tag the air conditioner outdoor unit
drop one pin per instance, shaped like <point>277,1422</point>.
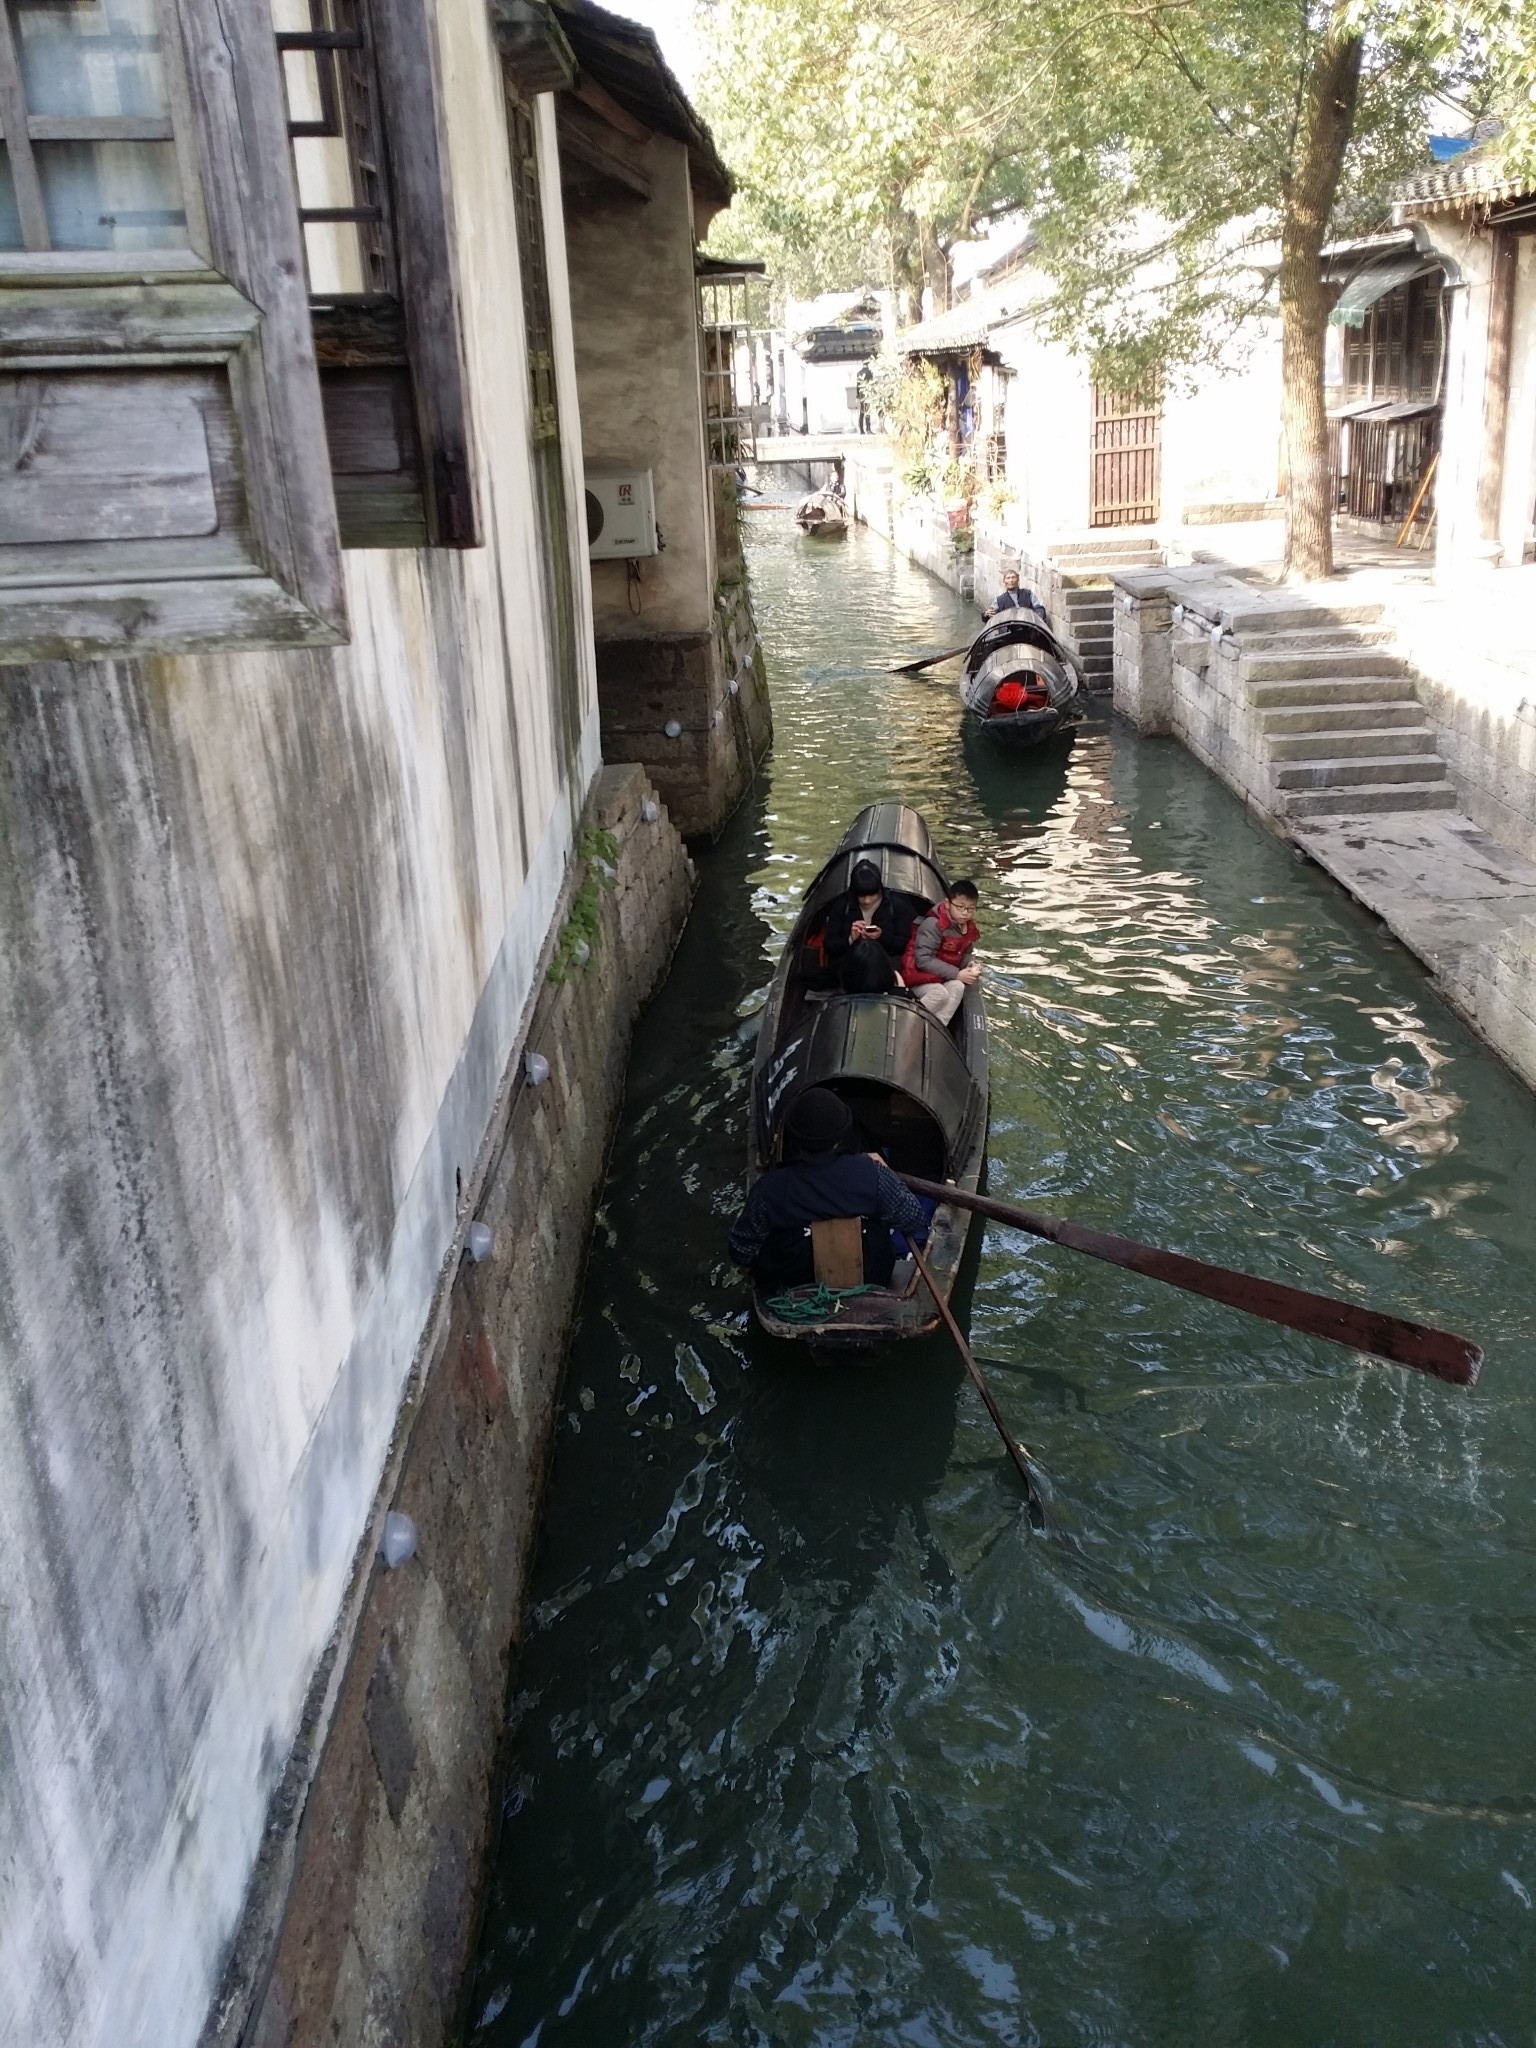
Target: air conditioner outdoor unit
<point>621,515</point>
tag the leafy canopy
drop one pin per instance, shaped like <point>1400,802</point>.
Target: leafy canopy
<point>1154,144</point>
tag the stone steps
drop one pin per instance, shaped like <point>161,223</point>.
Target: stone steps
<point>1368,742</point>
<point>1341,771</point>
<point>1351,799</point>
<point>1302,618</point>
<point>1303,640</point>
<point>1288,692</point>
<point>1333,715</point>
<point>1321,663</point>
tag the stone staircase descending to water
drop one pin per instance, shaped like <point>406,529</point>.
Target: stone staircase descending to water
<point>1337,713</point>
<point>1080,595</point>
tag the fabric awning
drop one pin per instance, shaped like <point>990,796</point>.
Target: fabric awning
<point>1367,286</point>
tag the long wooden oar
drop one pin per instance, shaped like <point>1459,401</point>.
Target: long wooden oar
<point>915,668</point>
<point>1011,1444</point>
<point>1439,1352</point>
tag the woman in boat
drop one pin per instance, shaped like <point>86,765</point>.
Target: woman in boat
<point>823,1176</point>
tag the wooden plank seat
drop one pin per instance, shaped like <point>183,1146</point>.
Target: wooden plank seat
<point>837,1252</point>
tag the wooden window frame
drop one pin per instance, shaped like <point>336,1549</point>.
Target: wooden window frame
<point>391,363</point>
<point>231,309</point>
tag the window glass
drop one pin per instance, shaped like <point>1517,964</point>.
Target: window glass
<point>111,195</point>
<point>96,168</point>
<point>91,57</point>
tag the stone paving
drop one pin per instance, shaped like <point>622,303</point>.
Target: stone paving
<point>1464,903</point>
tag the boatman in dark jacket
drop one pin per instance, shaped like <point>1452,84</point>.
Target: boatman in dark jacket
<point>822,1177</point>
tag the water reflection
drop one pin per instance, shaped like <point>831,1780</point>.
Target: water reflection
<point>815,1742</point>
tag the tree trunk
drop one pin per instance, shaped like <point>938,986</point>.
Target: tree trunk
<point>1327,119</point>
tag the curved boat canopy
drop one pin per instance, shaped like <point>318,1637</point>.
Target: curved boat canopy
<point>896,838</point>
<point>1010,629</point>
<point>910,1065</point>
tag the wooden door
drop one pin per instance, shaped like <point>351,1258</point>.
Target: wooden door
<point>1127,457</point>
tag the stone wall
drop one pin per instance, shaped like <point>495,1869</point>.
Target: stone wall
<point>269,923</point>
<point>1179,669</point>
<point>361,1922</point>
<point>1495,986</point>
<point>713,687</point>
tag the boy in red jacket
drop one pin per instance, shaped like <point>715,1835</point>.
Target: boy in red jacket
<point>938,967</point>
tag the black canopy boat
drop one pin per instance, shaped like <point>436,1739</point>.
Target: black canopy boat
<point>1020,684</point>
<point>917,1088</point>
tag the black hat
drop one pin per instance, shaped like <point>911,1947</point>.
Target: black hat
<point>866,879</point>
<point>818,1121</point>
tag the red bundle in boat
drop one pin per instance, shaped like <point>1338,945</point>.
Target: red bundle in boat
<point>1014,695</point>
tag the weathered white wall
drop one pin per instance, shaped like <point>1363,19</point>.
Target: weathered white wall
<point>1458,538</point>
<point>1517,507</point>
<point>269,926</point>
<point>637,356</point>
<point>1221,437</point>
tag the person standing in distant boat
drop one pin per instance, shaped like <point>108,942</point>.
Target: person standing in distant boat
<point>1014,598</point>
<point>938,967</point>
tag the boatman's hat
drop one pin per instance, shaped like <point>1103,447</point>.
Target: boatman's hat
<point>818,1121</point>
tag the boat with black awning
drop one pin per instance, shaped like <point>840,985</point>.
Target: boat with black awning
<point>1020,685</point>
<point>917,1088</point>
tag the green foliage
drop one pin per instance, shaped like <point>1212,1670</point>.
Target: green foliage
<point>1155,144</point>
<point>583,928</point>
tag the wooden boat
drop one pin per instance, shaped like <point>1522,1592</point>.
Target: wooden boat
<point>823,515</point>
<point>1020,685</point>
<point>917,1088</point>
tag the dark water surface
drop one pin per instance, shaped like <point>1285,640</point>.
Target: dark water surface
<point>816,1742</point>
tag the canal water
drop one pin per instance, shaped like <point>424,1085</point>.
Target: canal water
<point>815,1740</point>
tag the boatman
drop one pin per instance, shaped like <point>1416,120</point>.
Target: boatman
<point>823,1176</point>
<point>1011,598</point>
<point>938,967</point>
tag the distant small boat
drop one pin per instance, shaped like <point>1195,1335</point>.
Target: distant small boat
<point>823,515</point>
<point>1020,684</point>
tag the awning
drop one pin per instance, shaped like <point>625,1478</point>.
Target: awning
<point>1367,286</point>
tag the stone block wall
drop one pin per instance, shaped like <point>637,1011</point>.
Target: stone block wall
<point>1487,735</point>
<point>1179,669</point>
<point>1495,985</point>
<point>714,687</point>
<point>362,1917</point>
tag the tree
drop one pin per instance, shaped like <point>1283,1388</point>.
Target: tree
<point>1192,159</point>
<point>854,131</point>
<point>1182,162</point>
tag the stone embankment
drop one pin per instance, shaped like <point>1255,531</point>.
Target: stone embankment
<point>1307,708</point>
<point>362,1915</point>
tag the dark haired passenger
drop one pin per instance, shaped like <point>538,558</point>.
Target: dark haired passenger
<point>938,967</point>
<point>868,970</point>
<point>866,911</point>
<point>823,1176</point>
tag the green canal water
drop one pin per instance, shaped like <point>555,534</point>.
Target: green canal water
<point>815,1741</point>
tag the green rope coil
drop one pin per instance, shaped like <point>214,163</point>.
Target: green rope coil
<point>814,1304</point>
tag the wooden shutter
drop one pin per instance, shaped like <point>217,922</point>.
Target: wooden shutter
<point>1127,457</point>
<point>163,473</point>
